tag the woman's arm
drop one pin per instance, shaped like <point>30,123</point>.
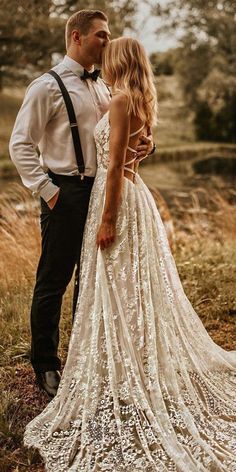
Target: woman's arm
<point>119,138</point>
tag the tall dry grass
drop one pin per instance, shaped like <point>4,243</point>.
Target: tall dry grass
<point>20,399</point>
<point>205,253</point>
<point>19,236</point>
<point>20,249</point>
<point>206,213</point>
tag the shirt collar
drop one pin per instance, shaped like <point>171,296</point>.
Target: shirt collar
<point>74,66</point>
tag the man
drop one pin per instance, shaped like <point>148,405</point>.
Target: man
<point>43,122</point>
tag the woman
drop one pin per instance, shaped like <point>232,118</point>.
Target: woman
<point>144,387</point>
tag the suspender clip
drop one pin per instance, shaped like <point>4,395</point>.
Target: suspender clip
<point>81,172</point>
<point>72,125</point>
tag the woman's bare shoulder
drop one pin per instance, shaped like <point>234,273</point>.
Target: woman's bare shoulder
<point>118,101</point>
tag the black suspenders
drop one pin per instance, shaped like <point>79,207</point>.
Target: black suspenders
<point>73,123</point>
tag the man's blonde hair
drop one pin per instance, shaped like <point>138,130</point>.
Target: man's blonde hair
<point>125,66</point>
<point>81,21</point>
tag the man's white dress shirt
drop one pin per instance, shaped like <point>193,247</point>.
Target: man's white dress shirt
<point>42,123</point>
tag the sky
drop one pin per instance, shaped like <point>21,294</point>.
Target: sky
<point>148,25</point>
<point>151,40</point>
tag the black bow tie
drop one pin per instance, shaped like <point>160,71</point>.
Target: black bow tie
<point>90,75</point>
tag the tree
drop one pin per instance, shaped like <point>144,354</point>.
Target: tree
<point>207,61</point>
<point>163,63</point>
<point>119,12</point>
<point>27,38</point>
<point>32,31</point>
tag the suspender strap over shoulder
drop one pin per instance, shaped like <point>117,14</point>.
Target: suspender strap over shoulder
<point>73,122</point>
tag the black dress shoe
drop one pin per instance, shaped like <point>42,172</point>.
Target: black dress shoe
<point>49,381</point>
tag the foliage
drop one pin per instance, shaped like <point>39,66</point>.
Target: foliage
<point>28,38</point>
<point>206,62</point>
<point>163,63</point>
<point>32,32</point>
<point>119,12</point>
<point>216,107</point>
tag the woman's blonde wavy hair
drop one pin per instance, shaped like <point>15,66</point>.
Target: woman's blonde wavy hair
<point>125,66</point>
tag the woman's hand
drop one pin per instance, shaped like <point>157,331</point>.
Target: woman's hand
<point>106,234</point>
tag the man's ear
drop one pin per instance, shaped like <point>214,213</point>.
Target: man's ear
<point>76,36</point>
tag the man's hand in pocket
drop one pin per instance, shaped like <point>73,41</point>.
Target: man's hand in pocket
<point>52,202</point>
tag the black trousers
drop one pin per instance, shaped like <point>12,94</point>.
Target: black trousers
<point>62,233</point>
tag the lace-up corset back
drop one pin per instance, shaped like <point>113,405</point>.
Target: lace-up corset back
<point>102,135</point>
<point>130,161</point>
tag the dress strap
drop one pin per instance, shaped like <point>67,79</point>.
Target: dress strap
<point>131,149</point>
<point>127,168</point>
<point>130,170</point>
<point>131,161</point>
<point>136,132</point>
<point>133,134</point>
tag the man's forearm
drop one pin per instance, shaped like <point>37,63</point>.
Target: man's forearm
<point>26,160</point>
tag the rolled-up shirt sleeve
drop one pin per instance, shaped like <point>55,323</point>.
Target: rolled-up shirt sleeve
<point>34,114</point>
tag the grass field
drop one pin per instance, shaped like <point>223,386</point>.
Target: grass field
<point>204,216</point>
<point>10,103</point>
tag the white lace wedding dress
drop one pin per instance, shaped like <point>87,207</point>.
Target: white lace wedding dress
<point>144,388</point>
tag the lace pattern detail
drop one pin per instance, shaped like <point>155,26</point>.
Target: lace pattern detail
<point>144,388</point>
